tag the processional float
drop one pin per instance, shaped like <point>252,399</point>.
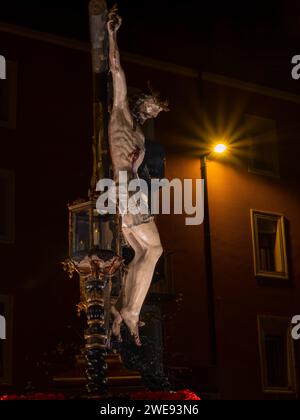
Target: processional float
<point>95,240</point>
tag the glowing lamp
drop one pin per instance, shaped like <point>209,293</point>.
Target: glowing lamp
<point>220,148</point>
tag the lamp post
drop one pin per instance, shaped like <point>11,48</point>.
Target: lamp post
<point>219,148</point>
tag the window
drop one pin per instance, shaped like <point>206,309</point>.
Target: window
<point>263,153</point>
<point>269,245</point>
<point>8,96</point>
<point>6,207</point>
<point>276,354</point>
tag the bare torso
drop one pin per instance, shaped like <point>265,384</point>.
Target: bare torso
<point>127,143</point>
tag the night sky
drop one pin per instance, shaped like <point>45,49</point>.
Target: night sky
<point>227,37</point>
<point>161,18</point>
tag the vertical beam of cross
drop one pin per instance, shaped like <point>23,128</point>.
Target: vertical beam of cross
<point>99,44</point>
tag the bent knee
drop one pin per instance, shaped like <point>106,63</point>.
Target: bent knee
<point>154,251</point>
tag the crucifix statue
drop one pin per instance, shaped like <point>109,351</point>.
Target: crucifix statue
<point>127,151</point>
<point>96,238</point>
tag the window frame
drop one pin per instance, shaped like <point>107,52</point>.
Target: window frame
<point>292,386</point>
<point>258,272</point>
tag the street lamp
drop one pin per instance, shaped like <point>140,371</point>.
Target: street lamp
<point>218,148</point>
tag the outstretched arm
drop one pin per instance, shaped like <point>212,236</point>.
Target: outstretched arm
<point>118,75</point>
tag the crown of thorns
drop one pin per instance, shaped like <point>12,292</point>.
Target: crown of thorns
<point>137,100</point>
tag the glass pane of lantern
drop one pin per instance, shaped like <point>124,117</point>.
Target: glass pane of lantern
<point>81,238</point>
<point>103,231</point>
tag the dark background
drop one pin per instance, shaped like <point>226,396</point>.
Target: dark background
<point>50,153</point>
<point>186,32</point>
<point>252,41</point>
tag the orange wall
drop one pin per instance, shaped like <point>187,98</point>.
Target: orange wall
<point>233,191</point>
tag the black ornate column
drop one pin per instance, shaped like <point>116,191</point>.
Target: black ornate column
<point>95,268</point>
<point>96,335</point>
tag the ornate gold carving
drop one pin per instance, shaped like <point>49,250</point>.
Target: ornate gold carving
<point>81,307</point>
<point>69,267</point>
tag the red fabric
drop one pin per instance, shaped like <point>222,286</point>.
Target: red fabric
<point>37,396</point>
<point>178,395</point>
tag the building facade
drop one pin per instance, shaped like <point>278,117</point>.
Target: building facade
<point>253,203</point>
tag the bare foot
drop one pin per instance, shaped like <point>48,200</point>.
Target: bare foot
<point>132,323</point>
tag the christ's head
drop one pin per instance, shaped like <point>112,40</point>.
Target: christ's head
<point>145,106</point>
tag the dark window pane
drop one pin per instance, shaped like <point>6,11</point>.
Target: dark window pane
<point>267,231</point>
<point>82,232</point>
<point>276,361</point>
<point>263,154</point>
<point>262,159</point>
